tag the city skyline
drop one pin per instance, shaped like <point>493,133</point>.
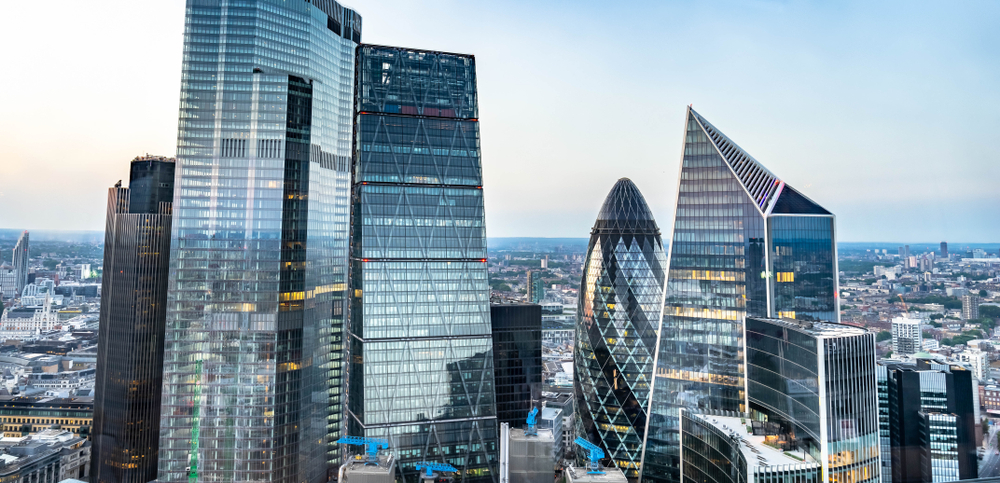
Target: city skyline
<point>898,159</point>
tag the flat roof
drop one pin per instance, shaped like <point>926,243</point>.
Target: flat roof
<point>580,475</point>
<point>816,328</point>
<point>754,450</point>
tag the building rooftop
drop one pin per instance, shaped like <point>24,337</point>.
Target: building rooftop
<point>355,466</point>
<point>822,330</point>
<point>754,450</point>
<point>580,475</point>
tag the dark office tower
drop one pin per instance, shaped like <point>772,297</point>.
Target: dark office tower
<point>536,287</point>
<point>421,361</point>
<point>253,383</point>
<point>517,360</point>
<point>931,422</point>
<point>744,244</point>
<point>21,256</point>
<point>621,299</point>
<point>944,249</point>
<point>817,382</point>
<point>129,375</point>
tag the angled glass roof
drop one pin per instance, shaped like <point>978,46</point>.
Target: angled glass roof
<point>791,201</point>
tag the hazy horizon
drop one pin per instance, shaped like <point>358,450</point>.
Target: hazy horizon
<point>882,113</point>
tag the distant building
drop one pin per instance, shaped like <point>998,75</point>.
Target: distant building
<point>20,261</point>
<point>23,415</point>
<point>991,399</point>
<point>536,287</point>
<point>907,337</point>
<point>970,307</point>
<point>944,249</point>
<point>929,414</point>
<point>720,449</point>
<point>552,419</point>
<point>8,282</point>
<point>129,383</point>
<point>517,360</point>
<point>817,381</point>
<point>977,360</point>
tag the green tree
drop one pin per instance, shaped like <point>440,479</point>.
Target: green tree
<point>983,293</point>
<point>50,264</point>
<point>991,311</point>
<point>883,335</point>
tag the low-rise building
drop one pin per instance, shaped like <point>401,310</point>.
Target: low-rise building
<point>21,416</point>
<point>48,457</point>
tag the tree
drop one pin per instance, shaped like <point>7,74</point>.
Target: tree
<point>983,293</point>
<point>50,264</point>
<point>937,316</point>
<point>883,335</point>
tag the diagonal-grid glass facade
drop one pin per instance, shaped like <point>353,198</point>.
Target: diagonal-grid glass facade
<point>253,386</point>
<point>421,362</point>
<point>621,299</point>
<point>744,244</point>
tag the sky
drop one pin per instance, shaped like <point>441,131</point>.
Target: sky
<point>885,113</point>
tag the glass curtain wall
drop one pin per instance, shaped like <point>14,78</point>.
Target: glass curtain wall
<point>421,360</point>
<point>621,299</point>
<point>252,378</point>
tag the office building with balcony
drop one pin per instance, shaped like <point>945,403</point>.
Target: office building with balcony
<point>744,243</point>
<point>817,381</point>
<point>620,302</point>
<point>253,384</point>
<point>421,343</point>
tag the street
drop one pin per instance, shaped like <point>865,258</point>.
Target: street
<point>990,463</point>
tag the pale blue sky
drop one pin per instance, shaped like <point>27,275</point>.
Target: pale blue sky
<point>887,113</point>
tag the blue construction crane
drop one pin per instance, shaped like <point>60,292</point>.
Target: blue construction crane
<point>371,446</point>
<point>430,468</point>
<point>596,454</point>
<point>532,421</point>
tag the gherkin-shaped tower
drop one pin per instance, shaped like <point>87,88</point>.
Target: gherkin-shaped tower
<point>621,298</point>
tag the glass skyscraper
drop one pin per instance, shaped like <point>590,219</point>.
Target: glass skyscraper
<point>817,380</point>
<point>744,244</point>
<point>517,360</point>
<point>253,384</point>
<point>421,362</point>
<point>129,375</point>
<point>21,255</point>
<point>621,299</point>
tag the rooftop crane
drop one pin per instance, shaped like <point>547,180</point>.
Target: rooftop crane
<point>596,454</point>
<point>371,446</point>
<point>905,310</point>
<point>532,423</point>
<point>430,468</point>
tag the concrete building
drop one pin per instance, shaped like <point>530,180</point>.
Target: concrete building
<point>970,307</point>
<point>907,338</point>
<point>21,416</point>
<point>358,470</point>
<point>977,360</point>
<point>47,457</point>
<point>526,458</point>
<point>574,474</point>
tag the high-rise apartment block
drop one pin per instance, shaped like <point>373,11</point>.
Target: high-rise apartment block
<point>129,375</point>
<point>744,244</point>
<point>22,253</point>
<point>929,415</point>
<point>253,376</point>
<point>970,307</point>
<point>621,298</point>
<point>536,287</point>
<point>817,382</point>
<point>517,360</point>
<point>907,337</point>
<point>421,361</point>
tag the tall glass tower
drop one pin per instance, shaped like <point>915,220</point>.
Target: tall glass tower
<point>22,254</point>
<point>744,244</point>
<point>421,362</point>
<point>128,382</point>
<point>621,299</point>
<point>252,386</point>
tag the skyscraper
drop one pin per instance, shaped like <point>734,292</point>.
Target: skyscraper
<point>20,261</point>
<point>421,361</point>
<point>744,244</point>
<point>817,381</point>
<point>944,249</point>
<point>517,360</point>
<point>621,299</point>
<point>536,287</point>
<point>931,421</point>
<point>253,383</point>
<point>129,375</point>
<point>970,307</point>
